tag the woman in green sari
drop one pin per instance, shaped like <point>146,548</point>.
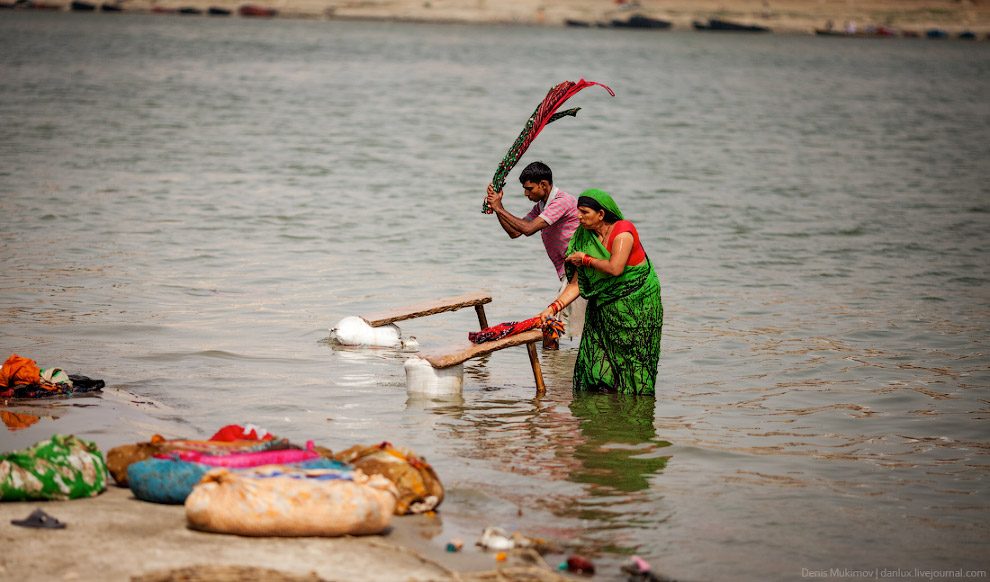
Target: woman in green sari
<point>606,264</point>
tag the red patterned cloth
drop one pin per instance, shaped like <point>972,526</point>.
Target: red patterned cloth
<point>545,113</point>
<point>552,328</point>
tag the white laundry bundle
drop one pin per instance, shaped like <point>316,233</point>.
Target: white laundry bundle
<point>423,378</point>
<point>354,331</point>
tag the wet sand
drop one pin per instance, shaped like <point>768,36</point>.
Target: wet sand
<point>115,537</point>
<point>781,16</point>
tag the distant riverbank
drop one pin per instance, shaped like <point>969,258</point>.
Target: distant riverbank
<point>779,16</point>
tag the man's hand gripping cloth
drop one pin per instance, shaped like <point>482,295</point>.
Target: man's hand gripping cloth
<point>552,328</point>
<point>545,113</point>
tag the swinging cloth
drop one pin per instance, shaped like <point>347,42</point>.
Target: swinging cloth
<point>620,344</point>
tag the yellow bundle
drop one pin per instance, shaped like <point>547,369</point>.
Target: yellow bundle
<point>418,486</point>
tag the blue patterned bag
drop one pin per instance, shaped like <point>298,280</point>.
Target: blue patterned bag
<point>171,480</point>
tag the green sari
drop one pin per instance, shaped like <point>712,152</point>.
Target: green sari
<point>620,343</point>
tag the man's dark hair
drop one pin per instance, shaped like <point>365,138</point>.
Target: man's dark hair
<point>536,173</point>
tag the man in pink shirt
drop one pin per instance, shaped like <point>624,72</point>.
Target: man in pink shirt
<point>555,217</point>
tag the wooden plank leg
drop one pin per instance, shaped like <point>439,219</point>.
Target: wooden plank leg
<point>463,351</point>
<point>482,320</point>
<point>541,388</point>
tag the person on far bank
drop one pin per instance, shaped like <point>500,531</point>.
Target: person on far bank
<point>607,265</point>
<point>555,217</point>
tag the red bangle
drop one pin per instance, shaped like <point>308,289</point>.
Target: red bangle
<point>556,306</point>
<point>586,260</point>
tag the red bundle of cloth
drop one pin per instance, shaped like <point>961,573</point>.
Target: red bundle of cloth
<point>551,327</point>
<point>236,432</point>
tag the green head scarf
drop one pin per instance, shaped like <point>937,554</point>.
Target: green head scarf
<point>603,199</point>
<point>586,241</point>
<point>595,283</point>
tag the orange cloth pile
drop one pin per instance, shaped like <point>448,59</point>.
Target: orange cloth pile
<point>17,370</point>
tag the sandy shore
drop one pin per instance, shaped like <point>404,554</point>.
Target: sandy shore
<point>116,538</point>
<point>782,16</point>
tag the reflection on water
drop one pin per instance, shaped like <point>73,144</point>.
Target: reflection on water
<point>17,420</point>
<point>619,459</point>
<point>584,470</point>
<point>618,447</point>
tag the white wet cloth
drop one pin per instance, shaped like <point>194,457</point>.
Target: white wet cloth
<point>354,331</point>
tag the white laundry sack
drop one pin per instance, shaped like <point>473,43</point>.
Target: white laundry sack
<point>423,378</point>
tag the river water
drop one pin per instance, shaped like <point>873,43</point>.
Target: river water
<point>188,204</point>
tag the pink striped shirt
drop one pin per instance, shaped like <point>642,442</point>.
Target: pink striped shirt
<point>561,216</point>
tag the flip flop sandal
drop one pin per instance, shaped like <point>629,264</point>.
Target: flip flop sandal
<point>39,519</point>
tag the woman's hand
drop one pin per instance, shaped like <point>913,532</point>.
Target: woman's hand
<point>575,258</point>
<point>571,292</point>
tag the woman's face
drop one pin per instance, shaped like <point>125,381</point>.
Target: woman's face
<point>589,218</point>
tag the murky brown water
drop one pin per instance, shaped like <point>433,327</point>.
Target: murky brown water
<point>189,204</point>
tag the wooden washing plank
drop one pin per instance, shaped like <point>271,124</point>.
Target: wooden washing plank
<point>431,307</point>
<point>446,356</point>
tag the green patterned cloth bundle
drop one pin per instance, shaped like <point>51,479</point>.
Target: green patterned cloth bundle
<point>64,467</point>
